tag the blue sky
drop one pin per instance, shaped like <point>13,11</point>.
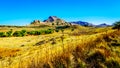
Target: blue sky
<point>22,12</point>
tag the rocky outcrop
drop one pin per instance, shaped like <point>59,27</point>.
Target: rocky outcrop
<point>54,20</point>
<point>35,22</point>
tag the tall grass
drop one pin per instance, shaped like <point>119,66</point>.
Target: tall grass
<point>78,52</point>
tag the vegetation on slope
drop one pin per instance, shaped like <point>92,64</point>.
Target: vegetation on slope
<point>99,50</point>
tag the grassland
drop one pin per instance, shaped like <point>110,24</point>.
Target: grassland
<point>85,47</point>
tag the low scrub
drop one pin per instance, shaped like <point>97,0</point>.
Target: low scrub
<point>25,33</point>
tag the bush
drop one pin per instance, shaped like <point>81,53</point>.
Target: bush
<point>9,33</point>
<point>117,25</point>
<point>62,27</point>
<point>2,34</point>
<point>23,32</point>
<point>17,34</point>
<point>49,31</point>
<point>31,32</point>
<point>57,30</point>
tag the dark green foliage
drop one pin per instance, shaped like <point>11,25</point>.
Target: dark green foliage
<point>49,31</point>
<point>34,33</point>
<point>20,33</point>
<point>9,33</point>
<point>24,33</point>
<point>57,30</point>
<point>112,64</point>
<point>117,25</point>
<point>62,27</point>
<point>17,34</point>
<point>2,34</point>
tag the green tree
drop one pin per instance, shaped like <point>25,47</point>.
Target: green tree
<point>116,25</point>
<point>2,34</point>
<point>24,32</point>
<point>17,34</point>
<point>9,33</point>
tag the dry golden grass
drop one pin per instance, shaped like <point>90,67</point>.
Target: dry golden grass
<point>81,51</point>
<point>6,52</point>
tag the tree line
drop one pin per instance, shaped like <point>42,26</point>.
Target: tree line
<point>25,33</point>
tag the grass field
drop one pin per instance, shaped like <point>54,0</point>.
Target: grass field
<point>85,47</point>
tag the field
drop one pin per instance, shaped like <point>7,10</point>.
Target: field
<point>83,47</point>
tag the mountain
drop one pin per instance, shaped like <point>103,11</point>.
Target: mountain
<point>55,20</point>
<point>102,25</point>
<point>82,23</point>
<point>51,19</point>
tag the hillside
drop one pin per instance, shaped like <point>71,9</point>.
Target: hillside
<point>56,21</point>
<point>92,47</point>
<point>52,20</point>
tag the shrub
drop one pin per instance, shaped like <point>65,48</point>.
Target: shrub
<point>9,33</point>
<point>23,32</point>
<point>2,34</point>
<point>17,34</point>
<point>31,32</point>
<point>49,31</point>
<point>62,27</point>
<point>34,32</point>
<point>57,30</point>
<point>117,25</point>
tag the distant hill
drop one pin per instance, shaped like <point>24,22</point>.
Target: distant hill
<point>103,25</point>
<point>54,20</point>
<point>82,23</point>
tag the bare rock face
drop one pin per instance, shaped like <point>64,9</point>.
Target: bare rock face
<point>51,19</point>
<point>55,20</point>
